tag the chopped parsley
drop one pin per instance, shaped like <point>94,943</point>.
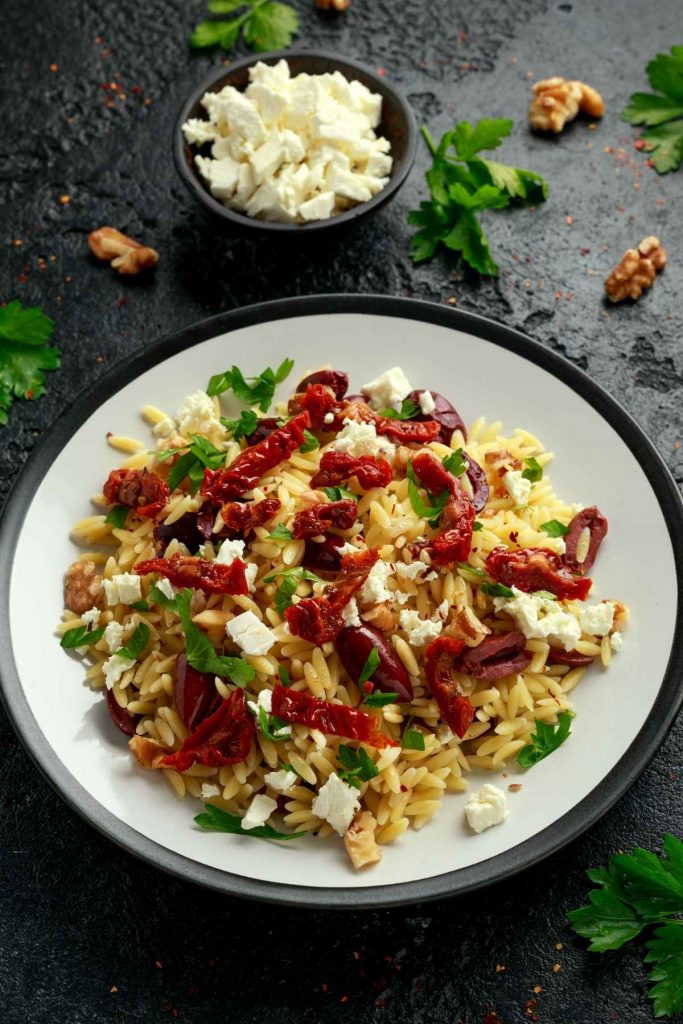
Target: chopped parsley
<point>157,595</point>
<point>496,590</point>
<point>431,513</point>
<point>200,652</point>
<point>413,739</point>
<point>24,353</point>
<point>455,463</point>
<point>272,727</point>
<point>198,456</point>
<point>339,493</point>
<point>117,516</point>
<point>406,412</point>
<point>370,667</point>
<point>477,525</point>
<point>242,427</point>
<point>532,471</point>
<point>280,533</point>
<point>310,443</point>
<point>545,740</point>
<point>357,766</point>
<point>471,570</point>
<point>213,819</point>
<point>378,699</point>
<point>81,636</point>
<point>284,675</point>
<point>250,390</point>
<point>135,644</point>
<point>554,528</point>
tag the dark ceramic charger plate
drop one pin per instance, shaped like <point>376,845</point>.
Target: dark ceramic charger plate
<point>522,856</point>
<point>398,125</point>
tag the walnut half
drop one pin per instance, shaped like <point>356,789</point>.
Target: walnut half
<point>81,587</point>
<point>557,101</point>
<point>636,271</point>
<point>360,842</point>
<point>124,253</point>
<point>333,5</point>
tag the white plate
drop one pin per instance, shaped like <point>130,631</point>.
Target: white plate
<point>603,458</point>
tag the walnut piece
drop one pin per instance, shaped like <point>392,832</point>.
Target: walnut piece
<point>81,587</point>
<point>333,5</point>
<point>636,271</point>
<point>621,614</point>
<point>125,254</point>
<point>360,842</point>
<point>465,625</point>
<point>379,616</point>
<point>147,752</point>
<point>557,101</point>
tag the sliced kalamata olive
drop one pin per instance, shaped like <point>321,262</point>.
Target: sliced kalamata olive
<point>590,519</point>
<point>206,517</point>
<point>477,477</point>
<point>336,380</point>
<point>324,556</point>
<point>556,656</point>
<point>121,718</point>
<point>443,413</point>
<point>186,530</point>
<point>264,429</point>
<point>196,695</point>
<point>496,656</point>
<point>354,644</point>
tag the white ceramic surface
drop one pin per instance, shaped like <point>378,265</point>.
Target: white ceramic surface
<point>593,466</point>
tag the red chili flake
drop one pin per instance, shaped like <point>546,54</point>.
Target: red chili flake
<point>584,252</point>
<point>343,999</point>
<point>113,989</point>
<point>22,279</point>
<point>639,144</point>
<point>29,394</point>
<point>558,295</point>
<point>324,987</point>
<point>54,67</point>
<point>673,777</point>
<point>121,302</point>
<point>136,89</point>
<point>569,219</point>
<point>404,789</point>
<point>147,101</point>
<point>515,787</point>
<point>381,71</point>
<point>620,208</point>
<point>65,200</point>
<point>368,687</point>
<point>16,242</point>
<point>514,534</point>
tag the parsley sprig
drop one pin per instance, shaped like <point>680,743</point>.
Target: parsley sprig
<point>251,390</point>
<point>635,891</point>
<point>24,353</point>
<point>81,636</point>
<point>242,427</point>
<point>462,184</point>
<point>425,510</point>
<point>406,412</point>
<point>661,111</point>
<point>357,766</point>
<point>264,25</point>
<point>200,652</point>
<point>196,457</point>
<point>545,740</point>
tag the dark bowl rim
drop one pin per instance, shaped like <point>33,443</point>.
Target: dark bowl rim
<point>525,854</point>
<point>399,172</point>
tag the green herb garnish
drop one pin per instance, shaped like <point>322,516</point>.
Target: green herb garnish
<point>135,644</point>
<point>496,590</point>
<point>310,443</point>
<point>545,740</point>
<point>264,25</point>
<point>545,594</point>
<point>477,525</point>
<point>280,532</point>
<point>339,493</point>
<point>242,427</point>
<point>201,455</point>
<point>406,412</point>
<point>637,890</point>
<point>81,636</point>
<point>455,463</point>
<point>290,581</point>
<point>118,516</point>
<point>471,570</point>
<point>377,699</point>
<point>251,390</point>
<point>200,652</point>
<point>663,114</point>
<point>213,819</point>
<point>157,595</point>
<point>24,353</point>
<point>370,667</point>
<point>140,606</point>
<point>413,739</point>
<point>357,766</point>
<point>532,471</point>
<point>271,725</point>
<point>462,184</point>
<point>432,512</point>
<point>284,675</point>
<point>554,528</point>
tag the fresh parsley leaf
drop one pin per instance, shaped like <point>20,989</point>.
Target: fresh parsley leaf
<point>477,525</point>
<point>554,528</point>
<point>545,594</point>
<point>284,594</point>
<point>280,532</point>
<point>608,922</point>
<point>370,667</point>
<point>272,727</point>
<point>406,412</point>
<point>272,26</point>
<point>251,390</point>
<point>431,513</point>
<point>532,471</point>
<point>157,595</point>
<point>180,469</point>
<point>665,951</point>
<point>379,699</point>
<point>200,456</point>
<point>357,766</point>
<point>24,353</point>
<point>471,570</point>
<point>462,184</point>
<point>310,443</point>
<point>496,590</point>
<point>242,427</point>
<point>545,740</point>
<point>454,463</point>
<point>339,493</point>
<point>663,114</point>
<point>413,739</point>
<point>140,606</point>
<point>297,572</point>
<point>213,819</point>
<point>81,636</point>
<point>200,652</point>
<point>284,675</point>
<point>136,643</point>
<point>118,516</point>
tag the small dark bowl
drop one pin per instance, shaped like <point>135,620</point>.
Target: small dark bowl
<point>397,125</point>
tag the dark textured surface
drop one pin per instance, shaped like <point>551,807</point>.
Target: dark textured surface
<point>87,933</point>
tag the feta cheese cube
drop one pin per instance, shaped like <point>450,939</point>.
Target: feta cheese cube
<point>245,186</point>
<point>280,781</point>
<point>319,207</point>
<point>419,631</point>
<point>336,803</point>
<point>379,166</point>
<point>375,590</point>
<point>275,76</point>
<point>241,117</point>
<point>91,618</point>
<point>427,403</point>
<point>350,616</point>
<point>198,415</point>
<point>270,103</point>
<point>616,640</point>
<point>293,146</point>
<point>198,132</point>
<point>209,790</point>
<point>486,807</point>
<point>114,668</point>
<point>122,589</point>
<point>517,486</point>
<point>221,175</point>
<point>410,571</point>
<point>249,633</point>
<point>166,588</point>
<point>164,428</point>
<point>597,619</point>
<point>229,551</point>
<point>388,390</point>
<point>258,812</point>
<point>113,636</point>
<point>266,160</point>
<point>362,439</point>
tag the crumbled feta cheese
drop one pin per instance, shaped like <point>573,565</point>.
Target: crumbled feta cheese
<point>427,403</point>
<point>198,132</point>
<point>486,807</point>
<point>114,668</point>
<point>616,640</point>
<point>336,803</point>
<point>319,207</point>
<point>250,574</point>
<point>229,551</point>
<point>328,417</point>
<point>249,633</point>
<point>443,610</point>
<point>197,415</point>
<point>348,549</point>
<point>280,781</point>
<point>210,789</point>
<point>540,619</point>
<point>265,700</point>
<point>164,428</point>
<point>388,390</point>
<point>597,619</point>
<point>258,812</point>
<point>361,439</point>
<point>517,486</point>
<point>350,616</point>
<point>166,588</point>
<point>410,571</point>
<point>91,617</point>
<point>419,631</point>
<point>444,734</point>
<point>375,590</point>
<point>402,597</point>
<point>113,635</point>
<point>122,589</point>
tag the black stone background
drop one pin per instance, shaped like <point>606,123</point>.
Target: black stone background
<point>87,932</point>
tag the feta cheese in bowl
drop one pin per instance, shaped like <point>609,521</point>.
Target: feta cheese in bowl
<point>294,142</point>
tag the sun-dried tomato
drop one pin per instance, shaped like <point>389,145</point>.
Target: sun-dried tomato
<point>321,404</point>
<point>241,519</point>
<point>497,656</point>
<point>194,692</point>
<point>221,485</point>
<point>319,619</point>
<point>224,737</point>
<point>590,519</point>
<point>531,569</point>
<point>405,431</point>
<point>332,719</point>
<point>453,542</point>
<point>447,417</point>
<point>318,518</point>
<point>336,380</point>
<point>198,573</point>
<point>433,475</point>
<point>338,467</point>
<point>318,402</point>
<point>144,492</point>
<point>456,709</point>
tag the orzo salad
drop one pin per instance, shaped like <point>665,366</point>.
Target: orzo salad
<point>322,619</point>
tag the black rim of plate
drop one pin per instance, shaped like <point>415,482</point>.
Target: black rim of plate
<point>519,857</point>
